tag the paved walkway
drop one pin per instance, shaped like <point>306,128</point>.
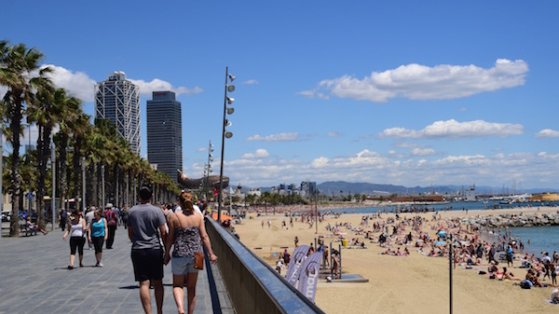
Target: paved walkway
<point>34,279</point>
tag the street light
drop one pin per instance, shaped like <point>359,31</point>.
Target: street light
<point>29,195</point>
<point>225,134</point>
<point>208,168</point>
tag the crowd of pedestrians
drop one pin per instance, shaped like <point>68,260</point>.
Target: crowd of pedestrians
<point>172,233</point>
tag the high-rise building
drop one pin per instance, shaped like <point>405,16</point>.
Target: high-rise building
<point>118,100</point>
<point>164,128</point>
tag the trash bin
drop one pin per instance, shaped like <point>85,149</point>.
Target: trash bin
<point>344,242</point>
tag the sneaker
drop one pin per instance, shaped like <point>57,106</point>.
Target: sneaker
<point>99,264</point>
<point>70,267</point>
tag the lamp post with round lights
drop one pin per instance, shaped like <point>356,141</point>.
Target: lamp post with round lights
<point>225,134</point>
<point>208,169</point>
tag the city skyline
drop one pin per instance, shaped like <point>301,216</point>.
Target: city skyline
<point>406,93</point>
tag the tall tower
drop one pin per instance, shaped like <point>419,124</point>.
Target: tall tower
<point>164,130</point>
<point>118,100</point>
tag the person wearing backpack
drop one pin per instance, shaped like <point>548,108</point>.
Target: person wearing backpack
<point>112,222</point>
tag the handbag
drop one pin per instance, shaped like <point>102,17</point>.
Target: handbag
<point>199,260</point>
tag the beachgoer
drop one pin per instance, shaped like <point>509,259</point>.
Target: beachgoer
<point>279,264</point>
<point>286,257</point>
<point>76,228</point>
<point>555,296</point>
<point>90,213</point>
<point>97,233</point>
<point>34,227</point>
<point>187,233</point>
<point>146,230</point>
<point>335,264</point>
<point>125,213</point>
<point>509,256</point>
<point>112,221</point>
<point>62,216</point>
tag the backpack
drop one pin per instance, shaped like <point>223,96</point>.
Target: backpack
<point>111,218</point>
<point>525,284</point>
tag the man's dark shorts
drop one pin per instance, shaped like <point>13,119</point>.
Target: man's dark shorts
<point>148,264</point>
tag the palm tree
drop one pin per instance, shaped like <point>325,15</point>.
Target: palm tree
<point>17,63</point>
<point>45,113</point>
<point>80,129</point>
<point>69,107</point>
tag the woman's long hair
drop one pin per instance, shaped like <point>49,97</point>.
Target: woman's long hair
<point>74,216</point>
<point>186,203</point>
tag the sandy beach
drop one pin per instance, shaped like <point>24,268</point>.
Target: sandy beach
<point>397,284</point>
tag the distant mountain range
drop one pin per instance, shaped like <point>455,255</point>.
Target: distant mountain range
<point>334,188</point>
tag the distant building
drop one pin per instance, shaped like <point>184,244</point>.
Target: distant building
<point>545,197</point>
<point>470,195</point>
<point>118,100</point>
<point>164,131</point>
<point>308,188</point>
<point>256,192</point>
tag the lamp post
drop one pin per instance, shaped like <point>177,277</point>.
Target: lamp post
<point>103,185</point>
<point>224,134</point>
<point>29,195</point>
<point>53,166</point>
<point>83,184</point>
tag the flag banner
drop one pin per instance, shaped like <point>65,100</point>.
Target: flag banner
<point>309,275</point>
<point>294,267</point>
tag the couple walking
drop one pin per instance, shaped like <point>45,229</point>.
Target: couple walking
<point>148,235</point>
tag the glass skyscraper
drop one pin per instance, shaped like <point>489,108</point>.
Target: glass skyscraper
<point>118,100</point>
<point>164,130</point>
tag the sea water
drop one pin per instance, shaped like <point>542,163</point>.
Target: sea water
<point>542,239</point>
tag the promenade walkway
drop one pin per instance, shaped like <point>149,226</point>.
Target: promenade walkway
<point>34,279</point>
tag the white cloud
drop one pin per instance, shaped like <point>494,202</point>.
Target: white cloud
<point>251,82</point>
<point>146,88</point>
<point>422,151</point>
<point>547,133</point>
<point>454,129</point>
<point>80,85</point>
<point>334,134</point>
<point>532,169</point>
<point>260,153</point>
<point>420,82</point>
<point>281,137</point>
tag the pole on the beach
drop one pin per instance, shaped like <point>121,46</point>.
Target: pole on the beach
<point>450,260</point>
<point>316,207</point>
<point>340,255</point>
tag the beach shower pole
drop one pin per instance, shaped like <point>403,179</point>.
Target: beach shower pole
<point>450,270</point>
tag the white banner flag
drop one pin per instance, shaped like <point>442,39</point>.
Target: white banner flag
<point>295,263</point>
<point>309,275</point>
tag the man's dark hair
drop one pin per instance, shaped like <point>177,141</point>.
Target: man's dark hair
<point>145,193</point>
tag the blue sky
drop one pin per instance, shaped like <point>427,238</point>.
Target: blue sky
<point>397,92</point>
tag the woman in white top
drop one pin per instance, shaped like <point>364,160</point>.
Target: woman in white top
<point>76,229</point>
